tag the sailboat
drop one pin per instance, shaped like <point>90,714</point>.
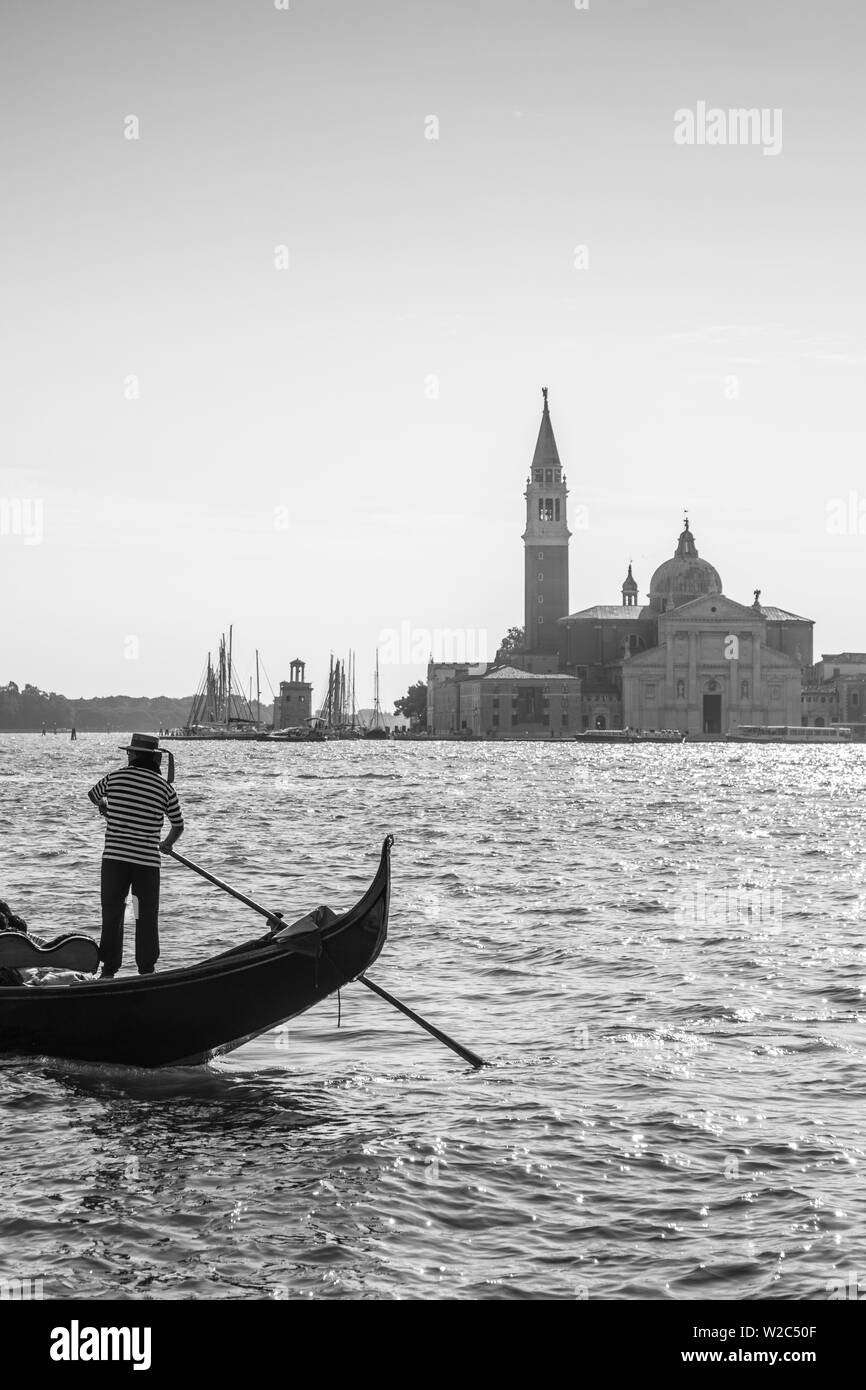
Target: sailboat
<point>377,728</point>
<point>337,716</point>
<point>220,709</point>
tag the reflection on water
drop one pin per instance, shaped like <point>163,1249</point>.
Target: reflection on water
<point>660,950</point>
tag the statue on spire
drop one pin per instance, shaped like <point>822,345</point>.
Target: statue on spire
<point>544,394</point>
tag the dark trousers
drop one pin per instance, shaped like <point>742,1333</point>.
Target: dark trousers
<point>117,879</point>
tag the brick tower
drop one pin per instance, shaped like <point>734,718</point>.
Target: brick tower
<point>293,705</point>
<point>545,542</point>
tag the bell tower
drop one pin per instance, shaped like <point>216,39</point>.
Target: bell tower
<point>545,542</point>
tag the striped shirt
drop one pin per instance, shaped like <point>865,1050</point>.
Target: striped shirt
<point>138,800</point>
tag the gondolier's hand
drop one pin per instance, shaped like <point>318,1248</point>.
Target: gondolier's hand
<point>174,834</point>
<point>103,806</point>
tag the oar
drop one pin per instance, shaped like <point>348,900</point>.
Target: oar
<point>275,918</point>
<point>457,1047</point>
<point>277,922</point>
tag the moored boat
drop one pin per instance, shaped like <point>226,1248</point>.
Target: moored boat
<point>376,728</point>
<point>186,1016</point>
<point>630,736</point>
<point>790,733</point>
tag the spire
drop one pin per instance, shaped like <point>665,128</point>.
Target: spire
<point>629,589</point>
<point>546,453</point>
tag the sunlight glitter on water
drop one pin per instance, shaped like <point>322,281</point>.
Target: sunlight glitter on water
<point>660,951</point>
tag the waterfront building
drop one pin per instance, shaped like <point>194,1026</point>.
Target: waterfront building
<point>835,692</point>
<point>294,704</point>
<point>444,679</point>
<point>508,702</point>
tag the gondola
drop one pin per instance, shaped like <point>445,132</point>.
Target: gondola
<point>187,1016</point>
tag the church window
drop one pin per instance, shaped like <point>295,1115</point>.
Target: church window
<point>548,476</point>
<point>775,693</point>
<point>681,690</point>
<point>541,554</point>
<point>548,509</point>
<point>650,693</point>
<point>855,697</point>
<point>556,505</point>
<point>744,690</point>
<point>538,475</point>
<point>540,577</point>
<point>540,621</point>
<point>541,598</point>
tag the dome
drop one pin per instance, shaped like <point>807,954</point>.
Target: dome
<point>683,578</point>
<point>629,584</point>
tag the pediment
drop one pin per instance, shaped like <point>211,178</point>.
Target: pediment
<point>712,608</point>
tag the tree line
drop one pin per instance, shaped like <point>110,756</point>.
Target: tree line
<point>29,708</point>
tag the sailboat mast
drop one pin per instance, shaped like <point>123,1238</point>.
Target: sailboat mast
<point>229,700</point>
<point>258,691</point>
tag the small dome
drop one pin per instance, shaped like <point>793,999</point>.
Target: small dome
<point>629,584</point>
<point>683,578</point>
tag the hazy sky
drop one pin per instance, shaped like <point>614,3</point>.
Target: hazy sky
<point>288,465</point>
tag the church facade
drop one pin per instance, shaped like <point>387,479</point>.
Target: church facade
<point>690,658</point>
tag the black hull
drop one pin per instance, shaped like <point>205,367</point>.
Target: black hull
<point>183,1017</point>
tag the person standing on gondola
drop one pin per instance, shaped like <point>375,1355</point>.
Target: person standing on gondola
<point>135,800</point>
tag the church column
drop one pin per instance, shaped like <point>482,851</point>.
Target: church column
<point>693,672</point>
<point>669,676</point>
<point>757,693</point>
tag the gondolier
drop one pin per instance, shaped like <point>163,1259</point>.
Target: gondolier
<point>135,800</point>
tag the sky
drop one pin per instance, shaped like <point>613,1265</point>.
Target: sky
<point>281,286</point>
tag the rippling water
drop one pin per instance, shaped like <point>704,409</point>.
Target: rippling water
<point>659,950</point>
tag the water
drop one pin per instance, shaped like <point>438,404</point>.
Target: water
<point>659,950</point>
